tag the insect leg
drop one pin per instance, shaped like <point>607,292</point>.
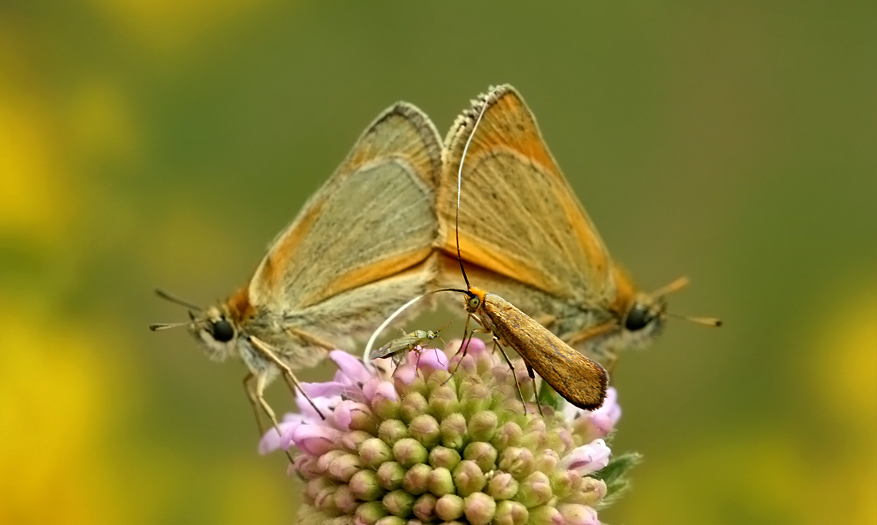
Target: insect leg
<point>254,401</point>
<point>514,375</point>
<point>533,381</point>
<point>464,347</point>
<point>254,392</point>
<point>288,376</point>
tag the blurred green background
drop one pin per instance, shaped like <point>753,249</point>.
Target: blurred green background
<point>164,143</point>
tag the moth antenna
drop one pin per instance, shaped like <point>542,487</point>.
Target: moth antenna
<point>675,286</point>
<point>397,313</point>
<point>174,299</point>
<point>460,186</point>
<point>705,321</point>
<point>157,327</point>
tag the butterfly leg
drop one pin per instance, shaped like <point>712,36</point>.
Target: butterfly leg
<point>285,371</point>
<point>254,401</point>
<point>497,344</point>
<point>611,360</point>
<point>255,393</point>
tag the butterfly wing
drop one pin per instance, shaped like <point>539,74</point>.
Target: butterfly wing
<point>362,245</point>
<point>521,227</point>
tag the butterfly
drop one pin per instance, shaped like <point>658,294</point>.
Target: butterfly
<point>362,245</point>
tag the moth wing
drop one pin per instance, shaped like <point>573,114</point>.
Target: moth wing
<point>579,380</point>
<point>519,218</point>
<point>373,221</point>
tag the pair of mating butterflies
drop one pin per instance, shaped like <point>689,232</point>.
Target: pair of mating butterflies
<point>383,229</point>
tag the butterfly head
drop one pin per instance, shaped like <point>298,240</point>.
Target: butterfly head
<point>215,327</point>
<point>216,331</point>
<point>644,320</point>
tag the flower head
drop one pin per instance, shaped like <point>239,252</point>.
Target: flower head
<point>425,444</point>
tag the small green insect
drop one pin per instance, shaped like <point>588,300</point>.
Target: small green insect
<point>397,348</point>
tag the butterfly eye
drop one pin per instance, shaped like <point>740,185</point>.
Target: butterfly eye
<point>638,318</point>
<point>222,331</point>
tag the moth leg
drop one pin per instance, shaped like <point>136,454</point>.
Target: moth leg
<point>533,381</point>
<point>257,399</point>
<point>514,375</point>
<point>285,371</point>
<point>464,347</point>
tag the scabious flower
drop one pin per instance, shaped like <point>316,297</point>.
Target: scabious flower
<point>423,445</point>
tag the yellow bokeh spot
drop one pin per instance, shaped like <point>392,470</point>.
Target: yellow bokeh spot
<point>54,411</point>
<point>100,122</point>
<point>174,25</point>
<point>33,200</point>
<point>843,372</point>
<point>844,356</point>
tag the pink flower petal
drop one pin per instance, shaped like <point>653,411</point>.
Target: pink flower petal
<point>326,404</point>
<point>432,358</point>
<point>386,390</point>
<point>350,366</point>
<point>476,346</point>
<point>342,413</point>
<point>574,514</point>
<point>315,439</point>
<point>605,417</point>
<point>271,441</point>
<point>406,373</point>
<point>587,458</point>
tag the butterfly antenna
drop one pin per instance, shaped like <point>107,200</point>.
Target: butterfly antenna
<point>460,187</point>
<point>675,286</point>
<point>158,327</point>
<point>174,299</point>
<point>705,321</point>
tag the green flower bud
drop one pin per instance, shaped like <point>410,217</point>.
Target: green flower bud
<point>511,513</point>
<point>413,405</point>
<point>370,512</point>
<point>441,482</point>
<point>444,457</point>
<point>365,486</point>
<point>390,475</point>
<point>449,507</point>
<point>483,454</point>
<point>374,452</point>
<point>344,467</point>
<point>453,431</point>
<point>408,452</point>
<point>468,478</point>
<point>479,508</point>
<point>425,429</point>
<point>502,486</point>
<point>424,507</point>
<point>535,490</point>
<point>351,441</point>
<point>392,430</point>
<point>399,503</point>
<point>416,480</point>
<point>482,426</point>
